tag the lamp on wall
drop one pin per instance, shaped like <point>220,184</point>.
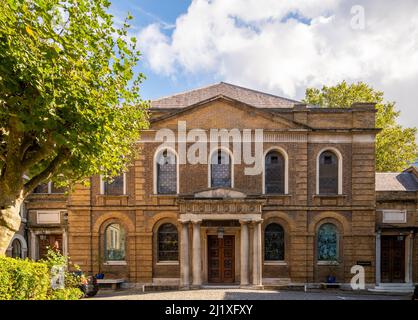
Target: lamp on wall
<point>220,233</point>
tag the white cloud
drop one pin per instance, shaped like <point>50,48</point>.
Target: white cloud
<point>257,43</point>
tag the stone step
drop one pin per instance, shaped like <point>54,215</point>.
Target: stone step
<point>157,288</point>
<point>394,287</point>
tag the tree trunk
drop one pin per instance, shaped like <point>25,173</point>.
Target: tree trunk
<point>9,224</point>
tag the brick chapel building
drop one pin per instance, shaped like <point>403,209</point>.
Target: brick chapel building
<point>314,210</point>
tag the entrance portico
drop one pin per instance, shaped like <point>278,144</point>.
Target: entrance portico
<point>225,228</point>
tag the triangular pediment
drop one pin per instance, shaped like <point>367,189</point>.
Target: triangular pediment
<point>224,112</point>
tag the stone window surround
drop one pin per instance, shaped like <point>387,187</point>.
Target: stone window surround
<point>155,170</point>
<point>232,161</point>
<point>113,262</point>
<point>102,188</point>
<point>34,244</point>
<point>286,168</point>
<point>340,168</point>
<point>23,243</point>
<point>167,262</point>
<point>49,190</point>
<point>328,262</point>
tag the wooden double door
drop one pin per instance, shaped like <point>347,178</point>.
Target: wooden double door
<point>221,259</point>
<point>393,259</point>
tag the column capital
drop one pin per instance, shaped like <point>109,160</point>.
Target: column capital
<point>256,222</point>
<point>244,221</point>
<point>183,221</point>
<point>199,221</point>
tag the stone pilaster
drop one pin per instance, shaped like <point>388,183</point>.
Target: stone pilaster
<point>257,259</point>
<point>184,255</point>
<point>197,255</point>
<point>244,252</point>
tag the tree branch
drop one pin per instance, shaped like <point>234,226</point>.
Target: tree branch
<point>27,142</point>
<point>44,150</point>
<point>48,172</point>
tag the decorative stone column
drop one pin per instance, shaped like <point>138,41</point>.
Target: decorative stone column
<point>257,259</point>
<point>409,259</point>
<point>184,255</point>
<point>245,248</point>
<point>197,255</point>
<point>64,243</point>
<point>378,257</point>
<point>32,245</point>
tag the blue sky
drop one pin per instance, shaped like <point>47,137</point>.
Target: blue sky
<point>280,47</point>
<point>164,12</point>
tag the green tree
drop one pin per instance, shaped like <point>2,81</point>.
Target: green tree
<point>69,98</point>
<point>396,146</point>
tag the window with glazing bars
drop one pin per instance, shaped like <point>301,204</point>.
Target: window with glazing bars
<point>220,170</point>
<point>166,173</point>
<point>274,173</point>
<point>328,173</point>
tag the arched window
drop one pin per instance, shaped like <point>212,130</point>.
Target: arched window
<point>115,186</point>
<point>168,244</point>
<point>274,242</point>
<point>115,242</point>
<point>220,170</point>
<point>16,249</point>
<point>328,173</point>
<point>274,173</point>
<point>166,173</point>
<point>327,242</point>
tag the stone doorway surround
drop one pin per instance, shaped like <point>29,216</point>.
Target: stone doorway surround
<point>220,205</point>
<point>409,234</point>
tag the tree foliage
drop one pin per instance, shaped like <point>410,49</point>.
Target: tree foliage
<point>69,98</point>
<point>396,147</point>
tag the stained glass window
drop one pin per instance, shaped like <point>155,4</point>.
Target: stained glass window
<point>328,173</point>
<point>274,242</point>
<point>168,244</point>
<point>115,243</point>
<point>274,173</point>
<point>114,186</point>
<point>220,169</point>
<point>327,242</point>
<point>166,173</point>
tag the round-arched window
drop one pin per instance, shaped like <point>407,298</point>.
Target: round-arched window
<point>274,242</point>
<point>16,249</point>
<point>327,242</point>
<point>115,242</point>
<point>168,244</point>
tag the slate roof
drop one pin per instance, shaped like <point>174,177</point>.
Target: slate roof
<point>252,97</point>
<point>395,181</point>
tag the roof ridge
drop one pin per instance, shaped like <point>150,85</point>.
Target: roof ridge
<point>261,92</point>
<point>188,91</point>
<point>227,84</point>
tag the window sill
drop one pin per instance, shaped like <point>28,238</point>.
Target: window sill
<point>328,263</point>
<point>115,263</point>
<point>165,195</point>
<point>323,195</point>
<point>167,263</point>
<point>275,263</point>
